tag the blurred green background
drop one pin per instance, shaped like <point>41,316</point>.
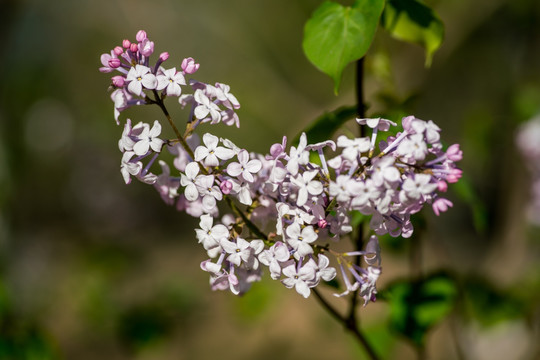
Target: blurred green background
<point>91,268</point>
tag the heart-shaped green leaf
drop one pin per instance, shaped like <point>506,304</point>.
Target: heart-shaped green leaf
<point>336,35</point>
<point>414,22</point>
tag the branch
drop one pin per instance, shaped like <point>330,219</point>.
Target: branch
<point>349,325</point>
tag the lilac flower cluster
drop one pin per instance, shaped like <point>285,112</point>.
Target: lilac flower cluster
<point>137,77</point>
<point>528,141</point>
<point>287,209</point>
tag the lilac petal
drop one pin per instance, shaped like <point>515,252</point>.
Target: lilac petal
<point>209,203</point>
<point>247,176</point>
<point>223,153</point>
<point>210,141</point>
<point>141,147</point>
<point>234,169</point>
<point>253,166</point>
<point>302,288</point>
<point>192,169</point>
<point>149,81</point>
<point>243,157</point>
<point>201,112</point>
<point>228,246</point>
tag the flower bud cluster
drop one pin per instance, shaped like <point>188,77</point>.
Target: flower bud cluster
<point>287,208</point>
<point>528,141</point>
<point>138,77</point>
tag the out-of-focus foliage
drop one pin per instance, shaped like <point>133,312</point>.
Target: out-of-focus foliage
<point>413,21</point>
<point>418,305</point>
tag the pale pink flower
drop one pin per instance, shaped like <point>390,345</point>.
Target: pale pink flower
<point>212,153</point>
<point>244,167</point>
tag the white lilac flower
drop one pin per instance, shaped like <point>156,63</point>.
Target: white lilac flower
<point>126,141</point>
<point>223,94</point>
<point>211,153</point>
<point>128,167</point>
<point>123,100</point>
<point>274,257</point>
<point>353,148</point>
<point>188,181</point>
<point>429,129</point>
<point>377,123</point>
<point>415,186</point>
<point>170,81</point>
<point>299,279</point>
<point>211,236</point>
<point>413,147</point>
<point>305,185</point>
<point>244,167</point>
<point>339,189</point>
<point>242,191</point>
<point>384,171</point>
<point>323,270</point>
<point>166,185</point>
<point>148,139</point>
<point>368,289</point>
<point>243,251</point>
<point>300,239</point>
<point>205,107</point>
<point>298,155</point>
<point>209,192</point>
<point>140,77</point>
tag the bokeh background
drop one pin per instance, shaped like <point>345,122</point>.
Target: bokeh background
<point>91,268</point>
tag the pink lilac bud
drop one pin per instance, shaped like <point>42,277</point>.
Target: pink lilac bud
<point>141,35</point>
<point>189,66</point>
<point>118,50</point>
<point>276,150</point>
<point>322,223</point>
<point>118,81</point>
<point>226,187</point>
<point>163,56</point>
<point>441,205</point>
<point>147,47</point>
<point>133,48</point>
<point>454,153</point>
<point>442,186</point>
<point>126,43</point>
<point>114,63</point>
<point>454,176</point>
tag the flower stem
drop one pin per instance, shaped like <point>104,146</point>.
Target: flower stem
<point>351,326</point>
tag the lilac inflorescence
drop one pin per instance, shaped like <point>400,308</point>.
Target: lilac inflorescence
<point>287,211</point>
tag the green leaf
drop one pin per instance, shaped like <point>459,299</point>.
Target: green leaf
<point>327,124</point>
<point>417,306</point>
<point>414,22</point>
<point>336,35</point>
